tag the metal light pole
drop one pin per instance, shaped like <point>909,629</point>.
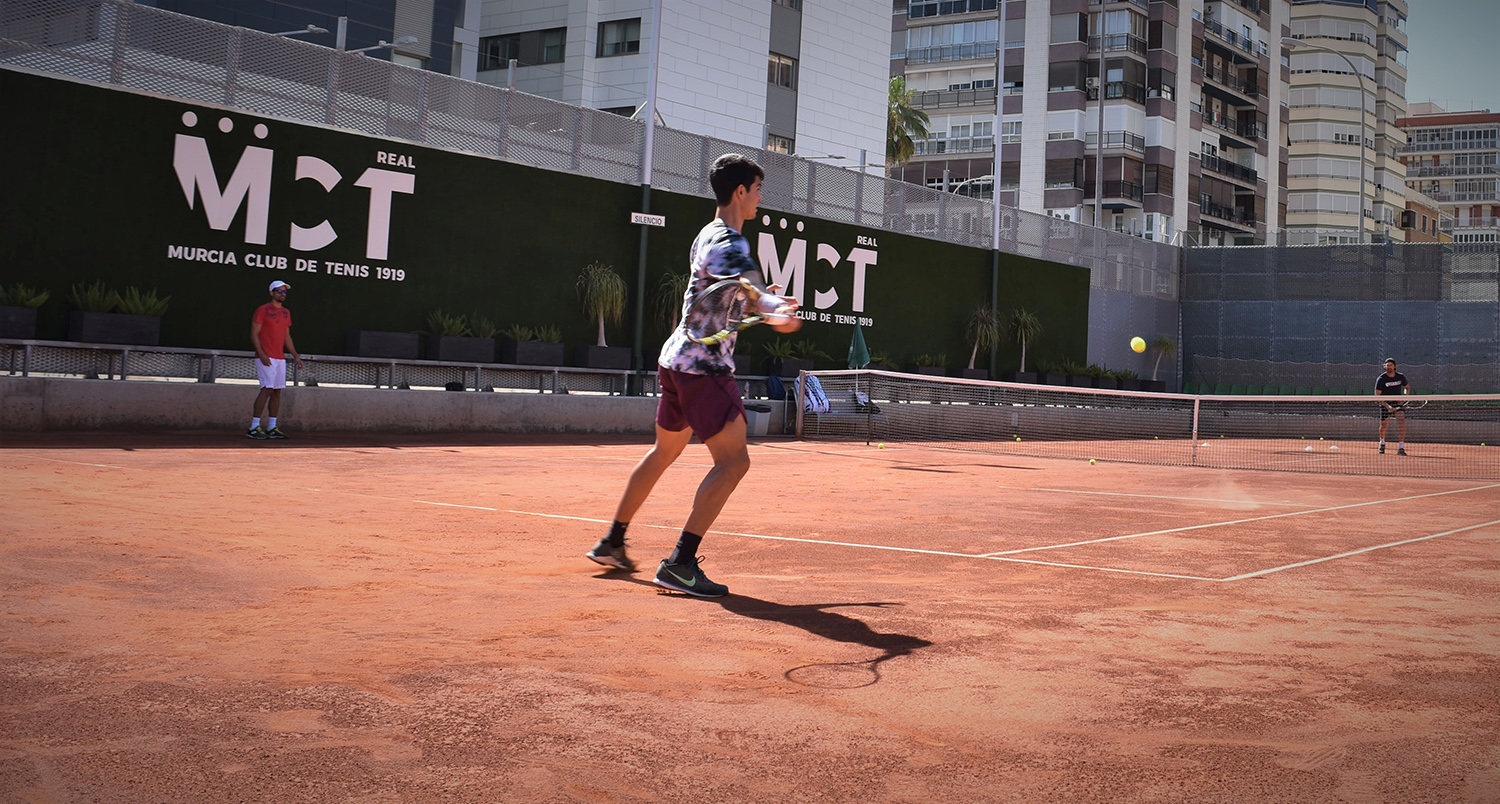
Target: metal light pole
<point>1289,42</point>
<point>1099,145</point>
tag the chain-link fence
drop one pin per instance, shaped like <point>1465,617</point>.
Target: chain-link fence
<point>147,49</point>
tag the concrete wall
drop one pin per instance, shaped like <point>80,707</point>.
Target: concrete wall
<point>38,404</point>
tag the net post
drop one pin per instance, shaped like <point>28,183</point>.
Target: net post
<point>869,403</point>
<point>1197,403</point>
<point>801,390</point>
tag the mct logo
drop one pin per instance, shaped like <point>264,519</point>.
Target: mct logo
<point>249,186</point>
<point>791,272</point>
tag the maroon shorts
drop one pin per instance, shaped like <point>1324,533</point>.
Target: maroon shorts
<point>703,402</point>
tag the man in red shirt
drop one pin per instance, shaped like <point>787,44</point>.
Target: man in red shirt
<point>272,340</point>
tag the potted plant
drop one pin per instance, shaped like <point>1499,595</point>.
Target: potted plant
<point>934,365</point>
<point>1102,376</point>
<point>18,305</point>
<point>1128,380</point>
<point>451,338</point>
<point>881,361</point>
<point>983,332</point>
<point>1163,346</point>
<point>527,346</point>
<point>779,356</point>
<point>806,354</point>
<point>102,315</point>
<point>1077,374</point>
<point>1023,327</point>
<point>603,296</point>
<point>1050,373</point>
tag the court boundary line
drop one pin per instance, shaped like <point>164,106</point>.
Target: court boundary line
<point>1240,521</point>
<point>1372,548</point>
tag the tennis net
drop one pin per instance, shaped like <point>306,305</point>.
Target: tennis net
<point>1447,436</point>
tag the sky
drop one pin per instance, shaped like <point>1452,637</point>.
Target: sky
<point>1453,54</point>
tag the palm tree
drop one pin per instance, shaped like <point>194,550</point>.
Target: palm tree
<point>983,331</point>
<point>1163,346</point>
<point>669,294</point>
<point>603,294</point>
<point>1023,327</point>
<point>903,123</point>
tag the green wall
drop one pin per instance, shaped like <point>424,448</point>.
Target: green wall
<point>92,193</point>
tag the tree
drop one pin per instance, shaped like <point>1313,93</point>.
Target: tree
<point>983,331</point>
<point>903,124</point>
<point>1163,346</point>
<point>603,294</point>
<point>1023,327</point>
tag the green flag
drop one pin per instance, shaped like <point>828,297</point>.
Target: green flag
<point>859,356</point>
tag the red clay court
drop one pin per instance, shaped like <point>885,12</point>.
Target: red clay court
<point>195,618</point>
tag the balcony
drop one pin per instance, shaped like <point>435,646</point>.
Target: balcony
<point>1142,3</point>
<point>1224,167</point>
<point>1248,131</point>
<point>1424,171</point>
<point>1120,89</point>
<point>1234,40</point>
<point>939,98</point>
<point>1114,140</point>
<point>963,52</point>
<point>1487,196</point>
<point>1114,43</point>
<point>1233,215</point>
<point>1471,223</point>
<point>964,145</point>
<point>1224,78</point>
<point>1117,191</point>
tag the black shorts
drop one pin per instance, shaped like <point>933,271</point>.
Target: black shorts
<point>1386,414</point>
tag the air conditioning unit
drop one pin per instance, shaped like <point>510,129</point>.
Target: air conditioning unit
<point>1093,83</point>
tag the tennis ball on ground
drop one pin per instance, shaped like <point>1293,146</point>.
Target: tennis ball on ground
<point>1138,343</point>
<point>881,445</point>
<point>1092,461</point>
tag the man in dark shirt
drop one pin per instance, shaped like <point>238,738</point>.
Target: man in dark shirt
<point>1392,383</point>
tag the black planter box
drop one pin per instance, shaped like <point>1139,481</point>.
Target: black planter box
<point>1080,381</point>
<point>601,357</point>
<point>531,353</point>
<point>1154,386</point>
<point>931,371</point>
<point>974,374</point>
<point>788,366</point>
<point>371,343</point>
<point>1049,378</point>
<point>1109,383</point>
<point>744,365</point>
<point>131,330</point>
<point>457,349</point>
<point>1018,376</point>
<point>18,323</point>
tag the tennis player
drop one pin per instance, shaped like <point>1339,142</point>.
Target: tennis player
<point>698,394</point>
<point>1392,383</point>
<point>270,332</point>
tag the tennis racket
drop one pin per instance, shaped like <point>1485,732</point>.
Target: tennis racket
<point>729,305</point>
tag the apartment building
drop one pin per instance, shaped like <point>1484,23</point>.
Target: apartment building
<point>1191,110</point>
<point>1348,93</point>
<point>1454,158</point>
<point>806,77</point>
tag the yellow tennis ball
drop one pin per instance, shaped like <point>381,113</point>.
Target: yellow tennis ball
<point>1138,343</point>
<point>881,445</point>
<point>1092,461</point>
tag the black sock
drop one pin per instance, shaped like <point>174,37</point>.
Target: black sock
<point>687,548</point>
<point>616,536</point>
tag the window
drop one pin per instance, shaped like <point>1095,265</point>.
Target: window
<point>554,45</point>
<point>1065,75</point>
<point>782,71</point>
<point>619,37</point>
<point>781,145</point>
<point>1010,132</point>
<point>495,52</point>
<point>1162,36</point>
<point>795,5</point>
<point>1160,83</point>
<point>1014,75</point>
<point>1158,179</point>
<point>1068,28</point>
<point>1064,173</point>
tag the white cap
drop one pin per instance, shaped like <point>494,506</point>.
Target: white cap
<point>280,284</point>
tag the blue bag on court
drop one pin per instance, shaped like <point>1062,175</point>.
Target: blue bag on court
<point>774,387</point>
<point>813,398</point>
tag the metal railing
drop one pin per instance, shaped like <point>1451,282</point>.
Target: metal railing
<point>1225,213</point>
<point>34,358</point>
<point>1225,167</point>
<point>145,49</point>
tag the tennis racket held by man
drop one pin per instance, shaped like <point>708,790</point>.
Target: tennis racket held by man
<point>736,303</point>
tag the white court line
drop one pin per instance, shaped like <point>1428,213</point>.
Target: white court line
<point>1161,497</point>
<point>1239,521</point>
<point>1356,552</point>
<point>76,463</point>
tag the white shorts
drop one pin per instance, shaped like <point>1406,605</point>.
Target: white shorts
<point>272,376</point>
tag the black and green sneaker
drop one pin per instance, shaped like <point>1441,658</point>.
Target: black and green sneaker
<point>609,556</point>
<point>688,579</point>
<point>275,432</point>
<point>256,433</point>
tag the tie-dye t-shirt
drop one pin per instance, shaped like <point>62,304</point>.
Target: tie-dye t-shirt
<point>718,252</point>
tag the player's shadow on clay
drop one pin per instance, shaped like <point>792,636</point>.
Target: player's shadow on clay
<point>816,619</point>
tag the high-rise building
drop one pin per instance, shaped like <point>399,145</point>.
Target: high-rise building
<point>804,78</point>
<point>1191,112</point>
<point>1348,90</point>
<point>1454,158</point>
